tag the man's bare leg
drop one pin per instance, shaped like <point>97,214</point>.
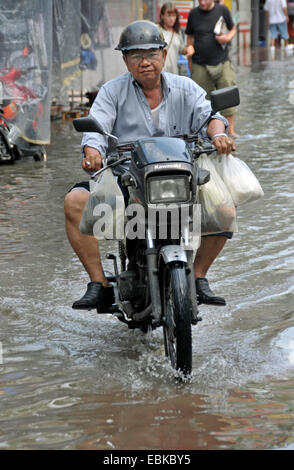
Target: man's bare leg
<point>209,249</point>
<point>85,246</point>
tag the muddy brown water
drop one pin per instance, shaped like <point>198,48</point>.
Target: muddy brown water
<point>76,380</point>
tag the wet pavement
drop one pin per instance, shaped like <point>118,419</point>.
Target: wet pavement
<point>76,380</point>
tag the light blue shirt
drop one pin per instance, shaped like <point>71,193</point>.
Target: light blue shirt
<point>122,109</point>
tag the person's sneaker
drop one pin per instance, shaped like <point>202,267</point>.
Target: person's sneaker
<point>205,294</point>
<point>96,296</point>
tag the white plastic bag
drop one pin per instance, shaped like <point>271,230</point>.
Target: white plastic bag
<point>104,212</point>
<point>218,213</point>
<point>238,178</point>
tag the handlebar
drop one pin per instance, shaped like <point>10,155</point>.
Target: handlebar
<point>112,161</point>
<point>115,159</point>
<point>200,147</point>
<point>207,148</point>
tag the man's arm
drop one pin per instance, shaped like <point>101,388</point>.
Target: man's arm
<point>285,10</point>
<point>94,145</point>
<point>189,31</point>
<point>217,133</point>
<point>225,38</point>
<point>190,45</point>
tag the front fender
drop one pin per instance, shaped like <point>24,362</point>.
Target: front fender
<point>172,253</point>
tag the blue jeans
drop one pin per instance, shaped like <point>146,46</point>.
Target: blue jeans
<point>275,28</point>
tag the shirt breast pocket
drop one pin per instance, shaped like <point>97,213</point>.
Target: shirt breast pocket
<point>175,130</point>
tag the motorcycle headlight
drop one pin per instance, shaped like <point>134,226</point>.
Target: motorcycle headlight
<point>163,189</point>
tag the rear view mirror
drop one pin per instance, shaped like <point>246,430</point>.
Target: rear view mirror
<point>89,124</point>
<point>225,98</point>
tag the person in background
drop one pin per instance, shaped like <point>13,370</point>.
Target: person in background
<point>208,45</point>
<point>169,25</point>
<point>221,2</point>
<point>277,16</point>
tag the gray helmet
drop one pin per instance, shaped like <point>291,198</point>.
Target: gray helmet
<point>141,34</point>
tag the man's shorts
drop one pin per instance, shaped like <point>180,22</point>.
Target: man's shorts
<point>223,77</point>
<point>279,28</point>
<point>85,186</point>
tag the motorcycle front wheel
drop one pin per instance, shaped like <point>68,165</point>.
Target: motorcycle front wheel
<point>177,310</point>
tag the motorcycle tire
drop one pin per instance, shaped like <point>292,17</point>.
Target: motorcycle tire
<point>5,155</point>
<point>177,309</point>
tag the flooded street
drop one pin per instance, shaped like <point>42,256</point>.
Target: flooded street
<point>75,380</point>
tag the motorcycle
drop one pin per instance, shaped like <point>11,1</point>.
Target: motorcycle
<point>13,146</point>
<point>155,286</point>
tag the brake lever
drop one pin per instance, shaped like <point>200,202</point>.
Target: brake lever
<point>111,165</point>
<point>208,150</point>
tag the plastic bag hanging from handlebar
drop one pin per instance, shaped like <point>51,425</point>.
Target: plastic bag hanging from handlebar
<point>218,212</point>
<point>103,215</point>
<point>240,181</point>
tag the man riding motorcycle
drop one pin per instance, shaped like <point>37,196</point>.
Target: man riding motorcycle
<point>137,104</point>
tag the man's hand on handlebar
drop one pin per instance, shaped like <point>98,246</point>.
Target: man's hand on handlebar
<point>223,144</point>
<point>92,160</point>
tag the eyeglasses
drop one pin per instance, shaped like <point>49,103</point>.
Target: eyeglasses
<point>150,56</point>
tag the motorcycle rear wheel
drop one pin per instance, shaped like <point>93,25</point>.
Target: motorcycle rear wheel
<point>177,309</point>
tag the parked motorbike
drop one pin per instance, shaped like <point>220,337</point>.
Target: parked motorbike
<point>13,146</point>
<point>155,285</point>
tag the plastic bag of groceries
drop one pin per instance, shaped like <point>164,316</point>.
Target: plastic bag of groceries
<point>238,178</point>
<point>104,212</point>
<point>218,212</point>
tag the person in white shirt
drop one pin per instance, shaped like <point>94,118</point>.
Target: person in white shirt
<point>277,15</point>
<point>169,25</point>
